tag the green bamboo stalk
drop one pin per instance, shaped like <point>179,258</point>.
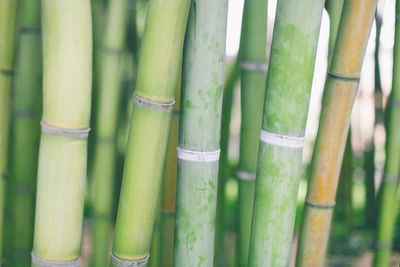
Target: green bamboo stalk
<point>169,187</point>
<point>199,133</point>
<point>253,63</point>
<point>24,148</point>
<point>155,248</point>
<point>334,9</point>
<point>8,14</point>
<point>109,96</point>
<point>224,169</point>
<point>340,91</point>
<point>290,75</point>
<point>388,197</point>
<point>158,71</point>
<point>67,75</point>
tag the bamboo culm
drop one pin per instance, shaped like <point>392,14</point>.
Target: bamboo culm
<point>253,49</point>
<point>388,194</point>
<point>340,91</point>
<point>199,133</point>
<point>67,76</point>
<point>159,62</point>
<point>26,113</point>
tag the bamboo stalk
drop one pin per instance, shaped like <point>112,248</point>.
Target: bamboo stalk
<point>253,63</point>
<point>388,198</point>
<point>155,248</point>
<point>67,71</point>
<point>8,14</point>
<point>340,91</point>
<point>24,148</point>
<point>287,97</point>
<point>109,96</point>
<point>334,9</point>
<point>199,133</point>
<point>158,71</point>
<point>169,187</point>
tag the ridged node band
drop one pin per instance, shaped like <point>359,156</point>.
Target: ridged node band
<point>281,139</point>
<point>383,245</point>
<point>7,72</point>
<point>390,178</point>
<point>344,77</point>
<point>245,175</point>
<point>198,156</point>
<point>397,16</point>
<point>151,104</point>
<point>394,102</point>
<point>254,66</point>
<point>119,262</point>
<point>320,206</point>
<point>30,30</point>
<point>168,213</point>
<point>46,262</point>
<point>67,132</point>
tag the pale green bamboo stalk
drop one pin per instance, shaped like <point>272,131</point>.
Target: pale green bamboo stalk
<point>108,100</point>
<point>67,75</point>
<point>253,59</point>
<point>334,9</point>
<point>155,248</point>
<point>199,133</point>
<point>24,148</point>
<point>389,193</point>
<point>8,15</point>
<point>158,71</point>
<point>340,91</point>
<point>289,81</point>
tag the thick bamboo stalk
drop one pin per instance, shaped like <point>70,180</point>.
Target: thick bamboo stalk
<point>108,100</point>
<point>199,133</point>
<point>388,197</point>
<point>169,187</point>
<point>8,15</point>
<point>253,59</point>
<point>25,147</point>
<point>158,72</point>
<point>340,91</point>
<point>290,74</point>
<point>67,71</point>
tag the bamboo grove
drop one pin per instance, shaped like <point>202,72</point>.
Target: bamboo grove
<point>129,136</point>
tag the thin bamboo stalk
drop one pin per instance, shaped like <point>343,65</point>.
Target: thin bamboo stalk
<point>334,9</point>
<point>340,91</point>
<point>67,71</point>
<point>199,133</point>
<point>158,72</point>
<point>107,113</point>
<point>24,148</point>
<point>8,14</point>
<point>169,187</point>
<point>388,198</point>
<point>155,248</point>
<point>253,77</point>
<point>289,81</point>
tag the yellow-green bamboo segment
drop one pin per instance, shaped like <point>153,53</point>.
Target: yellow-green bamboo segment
<point>158,71</point>
<point>8,16</point>
<point>389,188</point>
<point>26,113</point>
<point>253,50</point>
<point>107,108</point>
<point>169,187</point>
<point>67,75</point>
<point>340,91</point>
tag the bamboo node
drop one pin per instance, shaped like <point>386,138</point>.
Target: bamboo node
<point>46,262</point>
<point>344,77</point>
<point>383,244</point>
<point>24,113</point>
<point>30,30</point>
<point>320,206</point>
<point>254,66</point>
<point>120,262</point>
<point>394,102</point>
<point>198,156</point>
<point>390,178</point>
<point>4,175</point>
<point>7,72</point>
<point>19,255</point>
<point>168,213</point>
<point>144,102</point>
<point>68,132</point>
<point>281,139</point>
<point>21,189</point>
<point>397,16</point>
<point>245,175</point>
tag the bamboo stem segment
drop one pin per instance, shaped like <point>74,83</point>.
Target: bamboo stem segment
<point>199,138</point>
<point>387,214</point>
<point>253,77</point>
<point>158,72</point>
<point>340,90</point>
<point>67,66</point>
